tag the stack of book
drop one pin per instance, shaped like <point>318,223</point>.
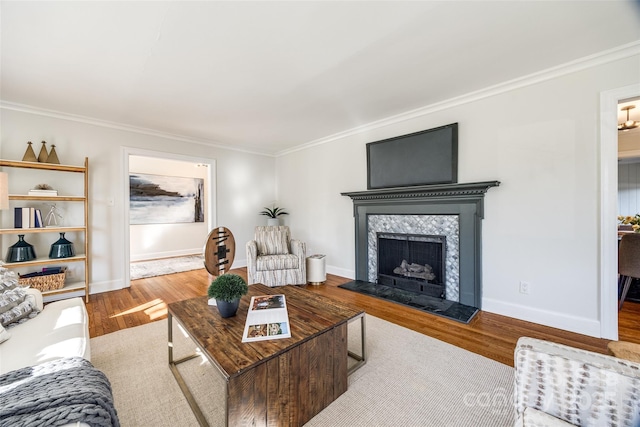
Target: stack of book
<point>27,218</point>
<point>38,192</point>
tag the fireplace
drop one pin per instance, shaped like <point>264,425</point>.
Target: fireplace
<point>413,262</point>
<point>440,222</point>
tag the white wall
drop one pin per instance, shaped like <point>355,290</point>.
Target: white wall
<point>541,224</point>
<point>245,182</point>
<point>151,241</point>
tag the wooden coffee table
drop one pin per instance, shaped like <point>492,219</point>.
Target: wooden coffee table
<point>276,382</point>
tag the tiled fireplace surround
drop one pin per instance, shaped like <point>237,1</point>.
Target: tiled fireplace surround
<point>452,210</point>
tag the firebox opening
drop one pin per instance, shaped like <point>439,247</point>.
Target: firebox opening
<point>413,262</point>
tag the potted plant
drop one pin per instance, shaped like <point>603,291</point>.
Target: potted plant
<point>273,213</point>
<point>227,290</point>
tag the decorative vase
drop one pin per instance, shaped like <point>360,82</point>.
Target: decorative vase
<point>53,156</point>
<point>226,308</point>
<point>273,221</point>
<point>29,155</point>
<point>21,251</point>
<point>62,248</point>
<point>43,155</point>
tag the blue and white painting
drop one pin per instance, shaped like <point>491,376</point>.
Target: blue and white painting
<point>157,199</point>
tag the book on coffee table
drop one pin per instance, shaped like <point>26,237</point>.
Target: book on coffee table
<point>267,319</point>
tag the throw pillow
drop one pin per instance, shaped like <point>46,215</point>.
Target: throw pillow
<point>4,334</point>
<point>8,279</point>
<point>272,241</point>
<point>15,307</point>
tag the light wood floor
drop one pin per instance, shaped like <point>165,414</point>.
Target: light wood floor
<point>488,334</point>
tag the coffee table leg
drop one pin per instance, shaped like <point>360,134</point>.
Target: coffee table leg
<point>181,383</point>
<point>170,346</point>
<point>361,358</point>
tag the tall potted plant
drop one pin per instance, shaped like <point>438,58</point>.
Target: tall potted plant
<point>273,213</point>
<point>227,291</point>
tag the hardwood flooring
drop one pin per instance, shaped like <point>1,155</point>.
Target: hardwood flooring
<point>488,334</point>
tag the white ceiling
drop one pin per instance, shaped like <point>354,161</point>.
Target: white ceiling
<point>268,76</point>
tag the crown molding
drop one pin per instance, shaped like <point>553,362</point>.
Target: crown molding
<point>604,57</point>
<point>600,58</point>
<point>120,126</point>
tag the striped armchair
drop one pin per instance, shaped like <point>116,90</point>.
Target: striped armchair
<point>273,259</point>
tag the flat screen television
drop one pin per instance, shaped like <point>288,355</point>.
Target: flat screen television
<point>421,158</point>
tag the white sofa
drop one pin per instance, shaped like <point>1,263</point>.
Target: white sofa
<point>60,330</point>
<point>558,385</point>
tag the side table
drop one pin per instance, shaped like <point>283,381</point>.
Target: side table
<point>316,269</point>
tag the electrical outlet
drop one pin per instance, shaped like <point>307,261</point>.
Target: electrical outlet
<point>525,287</point>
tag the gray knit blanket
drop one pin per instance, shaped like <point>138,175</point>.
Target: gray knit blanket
<point>56,393</point>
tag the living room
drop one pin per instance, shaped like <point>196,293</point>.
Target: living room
<point>536,121</point>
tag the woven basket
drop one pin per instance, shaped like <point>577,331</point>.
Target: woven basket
<point>49,282</point>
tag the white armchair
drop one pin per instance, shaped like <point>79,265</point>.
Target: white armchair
<point>274,259</point>
<point>558,385</point>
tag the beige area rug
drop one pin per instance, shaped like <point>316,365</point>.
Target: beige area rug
<point>409,380</point>
<point>160,267</point>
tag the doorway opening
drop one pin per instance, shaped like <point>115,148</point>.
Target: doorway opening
<point>169,210</point>
<point>628,182</point>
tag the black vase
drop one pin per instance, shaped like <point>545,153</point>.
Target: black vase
<point>21,251</point>
<point>62,248</point>
<point>226,308</point>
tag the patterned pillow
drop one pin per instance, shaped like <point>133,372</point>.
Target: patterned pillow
<point>15,307</point>
<point>8,279</point>
<point>272,240</point>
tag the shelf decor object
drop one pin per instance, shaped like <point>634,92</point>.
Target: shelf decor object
<point>53,156</point>
<point>43,155</point>
<point>40,271</point>
<point>29,155</point>
<point>43,281</point>
<point>62,248</point>
<point>21,251</point>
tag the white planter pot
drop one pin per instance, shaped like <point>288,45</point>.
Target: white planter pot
<point>273,221</point>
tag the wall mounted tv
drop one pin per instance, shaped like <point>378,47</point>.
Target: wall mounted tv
<point>421,158</point>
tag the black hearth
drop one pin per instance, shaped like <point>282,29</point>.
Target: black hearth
<point>413,262</point>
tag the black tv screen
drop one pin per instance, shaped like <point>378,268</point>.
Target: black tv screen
<point>421,158</point>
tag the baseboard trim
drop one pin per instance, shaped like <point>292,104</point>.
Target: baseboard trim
<point>167,254</point>
<point>100,287</point>
<point>342,272</point>
<point>552,319</point>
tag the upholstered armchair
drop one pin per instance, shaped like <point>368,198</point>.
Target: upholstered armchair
<point>273,259</point>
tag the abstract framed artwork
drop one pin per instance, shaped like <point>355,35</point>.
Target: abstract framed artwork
<point>159,199</point>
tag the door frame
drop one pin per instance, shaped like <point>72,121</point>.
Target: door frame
<point>609,207</point>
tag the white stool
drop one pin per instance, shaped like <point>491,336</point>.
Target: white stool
<point>316,270</point>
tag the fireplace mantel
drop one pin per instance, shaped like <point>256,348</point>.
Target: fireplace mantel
<point>429,191</point>
<point>464,200</point>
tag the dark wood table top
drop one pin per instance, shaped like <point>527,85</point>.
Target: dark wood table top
<point>310,314</point>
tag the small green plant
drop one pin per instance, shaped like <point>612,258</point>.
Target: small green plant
<point>227,287</point>
<point>273,212</point>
